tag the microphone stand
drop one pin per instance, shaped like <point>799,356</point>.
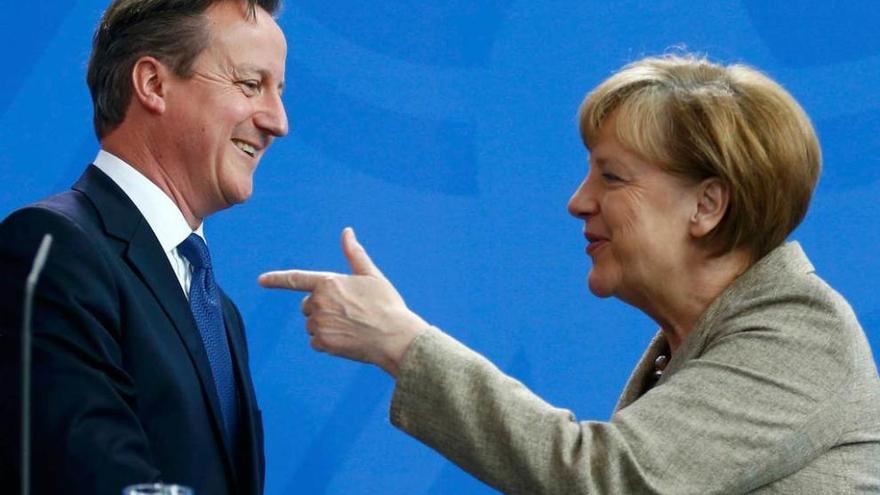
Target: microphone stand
<point>30,285</point>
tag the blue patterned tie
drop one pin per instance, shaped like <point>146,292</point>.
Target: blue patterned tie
<point>204,300</point>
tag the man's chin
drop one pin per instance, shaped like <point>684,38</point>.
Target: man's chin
<point>238,194</point>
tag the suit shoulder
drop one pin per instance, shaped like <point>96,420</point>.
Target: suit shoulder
<point>71,207</point>
<point>70,217</point>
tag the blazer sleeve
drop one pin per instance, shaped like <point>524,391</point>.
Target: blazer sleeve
<point>756,405</point>
<point>86,436</point>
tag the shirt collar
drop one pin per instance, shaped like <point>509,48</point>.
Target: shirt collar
<point>160,212</point>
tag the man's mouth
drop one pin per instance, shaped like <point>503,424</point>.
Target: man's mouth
<point>246,147</point>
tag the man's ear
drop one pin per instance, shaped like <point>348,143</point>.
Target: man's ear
<point>149,78</point>
<point>713,199</point>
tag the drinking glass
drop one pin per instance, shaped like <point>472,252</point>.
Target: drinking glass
<point>156,489</point>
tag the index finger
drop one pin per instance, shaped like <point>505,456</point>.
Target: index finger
<point>298,280</point>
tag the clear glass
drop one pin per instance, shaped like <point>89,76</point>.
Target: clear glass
<point>156,489</point>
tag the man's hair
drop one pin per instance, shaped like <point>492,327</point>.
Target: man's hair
<point>173,31</point>
<point>698,120</point>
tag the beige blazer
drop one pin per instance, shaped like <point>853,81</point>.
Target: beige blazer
<point>774,391</point>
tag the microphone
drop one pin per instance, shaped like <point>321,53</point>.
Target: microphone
<point>30,285</point>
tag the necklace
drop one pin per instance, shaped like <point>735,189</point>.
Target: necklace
<point>660,365</point>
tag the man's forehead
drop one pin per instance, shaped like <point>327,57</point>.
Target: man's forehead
<point>229,19</point>
<point>228,24</point>
<point>252,47</point>
<point>233,11</point>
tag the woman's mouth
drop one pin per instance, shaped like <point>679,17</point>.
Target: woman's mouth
<point>594,242</point>
<point>594,245</point>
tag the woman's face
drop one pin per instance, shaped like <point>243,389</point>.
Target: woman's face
<point>636,221</point>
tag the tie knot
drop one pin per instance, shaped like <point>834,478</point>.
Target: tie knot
<point>194,249</point>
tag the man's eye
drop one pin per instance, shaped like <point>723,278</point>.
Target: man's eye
<point>250,86</point>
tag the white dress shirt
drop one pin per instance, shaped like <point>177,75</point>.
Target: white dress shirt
<point>163,216</point>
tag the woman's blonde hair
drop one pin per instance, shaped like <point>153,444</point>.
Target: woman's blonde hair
<point>697,120</point>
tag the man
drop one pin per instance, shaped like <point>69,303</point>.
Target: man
<point>140,370</point>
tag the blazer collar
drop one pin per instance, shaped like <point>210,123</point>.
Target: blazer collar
<point>781,262</point>
<point>119,215</point>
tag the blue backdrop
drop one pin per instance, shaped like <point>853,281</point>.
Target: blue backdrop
<point>444,132</point>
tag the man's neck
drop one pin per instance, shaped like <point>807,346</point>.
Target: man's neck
<point>137,152</point>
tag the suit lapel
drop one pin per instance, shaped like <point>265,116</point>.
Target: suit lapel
<point>248,424</point>
<point>145,256</point>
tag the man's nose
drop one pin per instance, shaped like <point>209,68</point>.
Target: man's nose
<point>272,118</point>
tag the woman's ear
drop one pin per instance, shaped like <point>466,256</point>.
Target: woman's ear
<point>713,199</point>
<point>149,77</point>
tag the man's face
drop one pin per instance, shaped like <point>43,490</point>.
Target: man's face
<point>221,120</point>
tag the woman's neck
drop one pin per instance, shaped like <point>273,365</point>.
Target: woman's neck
<point>679,303</point>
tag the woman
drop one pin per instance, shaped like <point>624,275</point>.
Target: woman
<point>760,379</point>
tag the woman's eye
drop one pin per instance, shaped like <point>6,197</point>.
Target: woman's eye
<point>610,177</point>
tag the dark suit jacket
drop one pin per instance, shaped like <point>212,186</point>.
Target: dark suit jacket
<point>122,387</point>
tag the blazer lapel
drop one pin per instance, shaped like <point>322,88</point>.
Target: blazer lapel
<point>248,423</point>
<point>145,256</point>
<point>643,373</point>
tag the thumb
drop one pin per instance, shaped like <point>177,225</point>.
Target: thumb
<point>357,256</point>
